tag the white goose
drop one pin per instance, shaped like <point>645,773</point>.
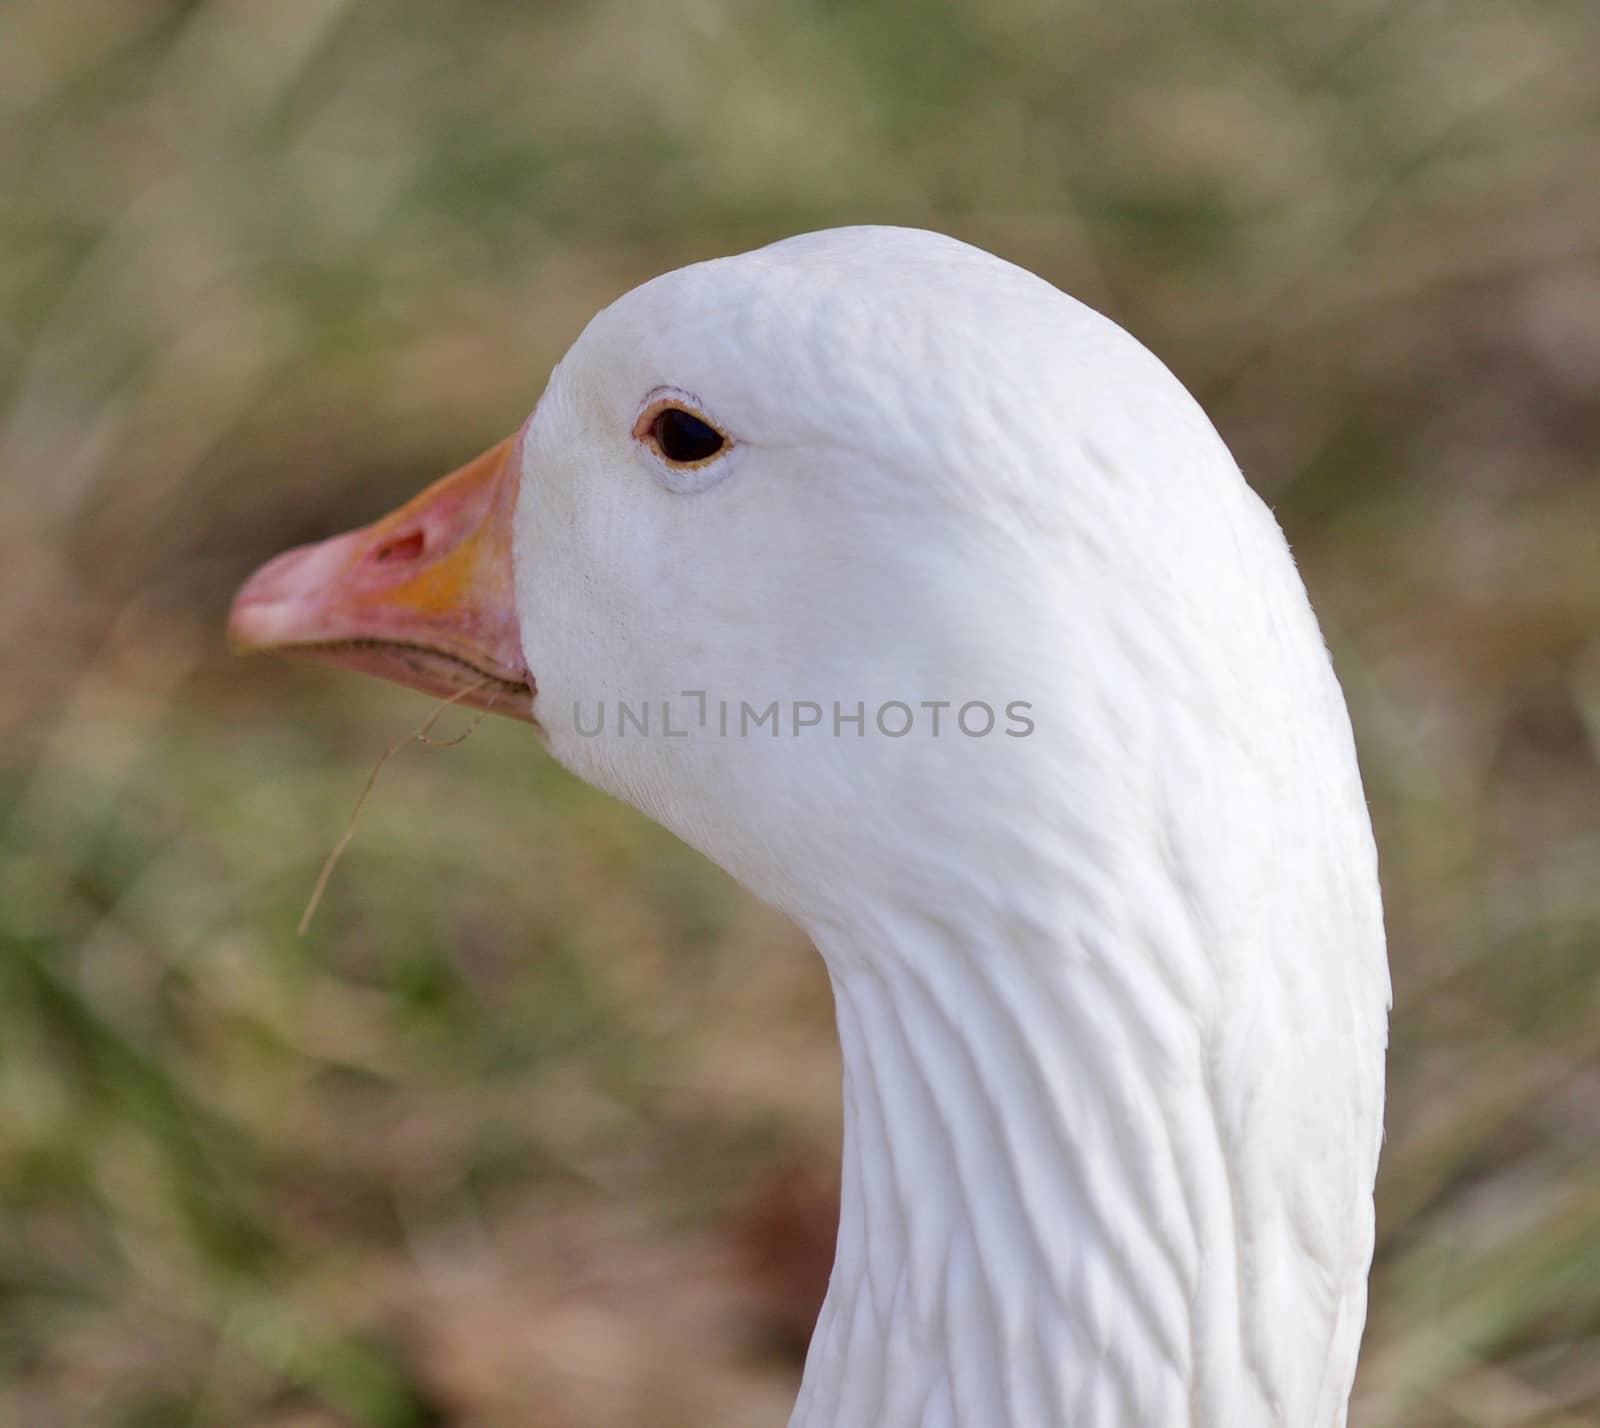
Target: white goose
<point>1110,972</point>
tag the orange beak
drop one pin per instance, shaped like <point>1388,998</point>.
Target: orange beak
<point>425,596</point>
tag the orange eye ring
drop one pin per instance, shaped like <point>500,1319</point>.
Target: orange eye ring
<point>679,435</point>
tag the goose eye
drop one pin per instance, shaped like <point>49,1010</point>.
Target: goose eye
<point>683,438</point>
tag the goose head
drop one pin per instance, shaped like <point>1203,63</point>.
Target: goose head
<point>797,553</point>
<point>925,601</point>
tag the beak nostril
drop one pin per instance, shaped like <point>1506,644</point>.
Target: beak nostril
<point>407,547</point>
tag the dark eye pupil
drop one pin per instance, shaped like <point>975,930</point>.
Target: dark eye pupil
<point>683,437</point>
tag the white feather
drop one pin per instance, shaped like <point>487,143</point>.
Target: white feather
<point>1112,997</point>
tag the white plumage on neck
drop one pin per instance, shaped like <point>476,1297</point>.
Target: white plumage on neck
<point>1043,1193</point>
<point>1112,997</point>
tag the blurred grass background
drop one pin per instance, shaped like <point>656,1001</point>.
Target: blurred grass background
<point>530,1129</point>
